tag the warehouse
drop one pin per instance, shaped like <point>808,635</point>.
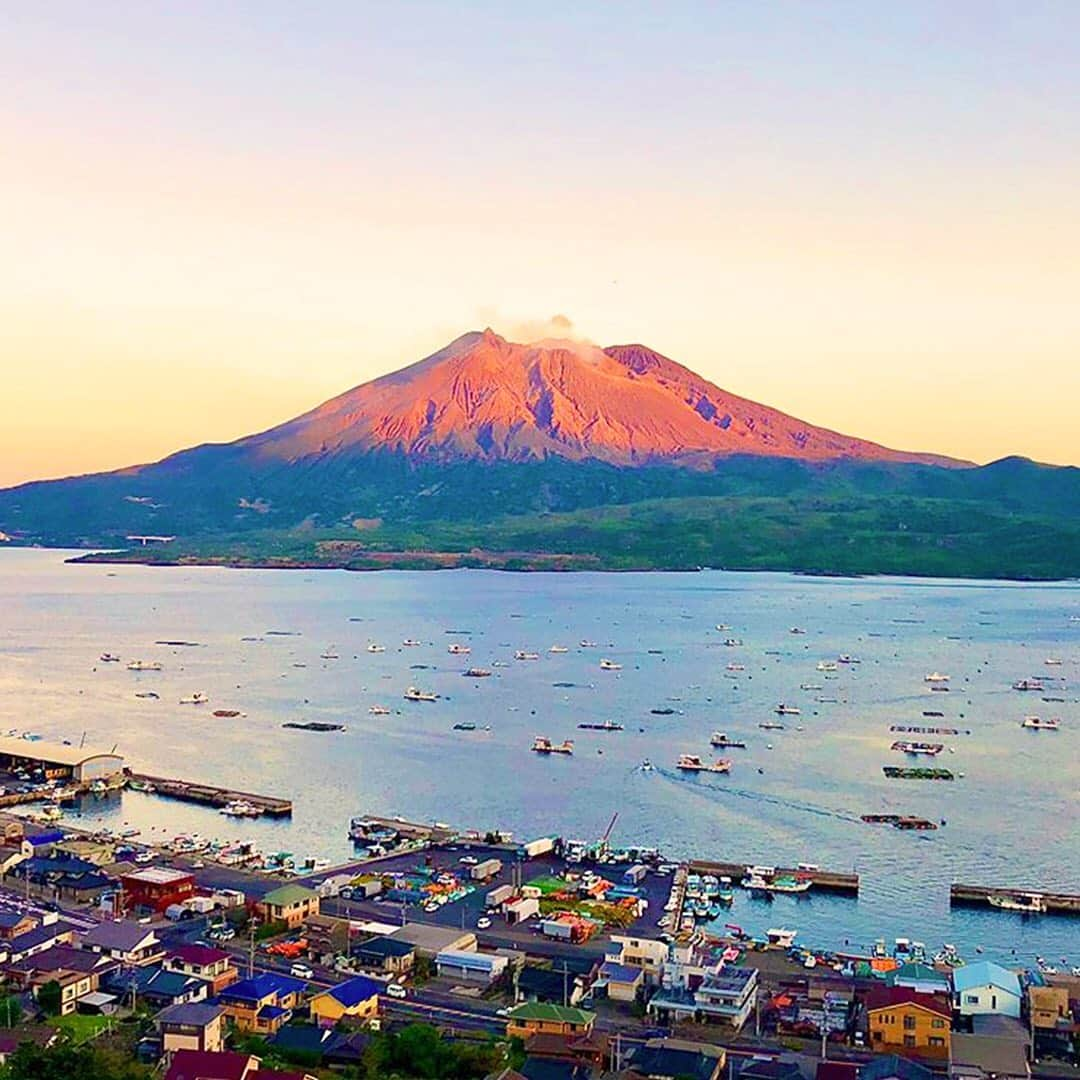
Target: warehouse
<point>59,761</point>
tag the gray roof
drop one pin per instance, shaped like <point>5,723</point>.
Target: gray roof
<point>433,939</point>
<point>1004,1057</point>
<point>123,936</point>
<point>194,1013</point>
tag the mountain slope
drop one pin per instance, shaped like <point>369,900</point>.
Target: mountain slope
<point>486,398</point>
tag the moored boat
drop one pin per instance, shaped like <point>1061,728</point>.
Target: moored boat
<point>1036,723</point>
<point>610,665</point>
<point>1023,902</point>
<point>144,665</point>
<point>543,745</point>
<point>414,694</point>
<point>721,740</point>
<point>693,763</point>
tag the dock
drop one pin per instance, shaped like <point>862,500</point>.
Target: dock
<point>824,880</point>
<point>209,795</point>
<point>1059,903</point>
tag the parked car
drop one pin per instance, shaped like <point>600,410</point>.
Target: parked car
<point>483,923</point>
<point>396,990</point>
<point>301,971</point>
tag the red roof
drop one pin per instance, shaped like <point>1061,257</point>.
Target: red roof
<point>889,997</point>
<point>209,1065</point>
<point>202,955</point>
<point>275,1074</point>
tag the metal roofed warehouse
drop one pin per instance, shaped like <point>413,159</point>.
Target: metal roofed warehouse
<point>80,763</point>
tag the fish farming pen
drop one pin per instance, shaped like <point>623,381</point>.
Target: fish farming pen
<point>209,795</point>
<point>823,880</point>
<point>898,772</point>
<point>1059,903</point>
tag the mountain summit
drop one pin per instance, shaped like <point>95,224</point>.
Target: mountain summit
<point>485,398</point>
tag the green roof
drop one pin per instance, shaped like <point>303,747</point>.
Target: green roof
<point>288,894</point>
<point>561,1014</point>
<point>915,972</point>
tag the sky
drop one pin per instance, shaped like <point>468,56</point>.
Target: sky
<point>215,216</point>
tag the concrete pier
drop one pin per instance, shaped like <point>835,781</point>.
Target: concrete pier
<point>979,896</point>
<point>213,796</point>
<point>824,880</point>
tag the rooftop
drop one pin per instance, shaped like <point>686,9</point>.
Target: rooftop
<point>893,1067</point>
<point>122,936</point>
<point>985,973</point>
<point>159,875</point>
<point>543,1011</point>
<point>891,997</point>
<point>199,1064</point>
<point>193,1013</point>
<point>355,991</point>
<point>285,895</point>
<point>996,1057</point>
<point>52,753</point>
<point>199,955</point>
<point>263,985</point>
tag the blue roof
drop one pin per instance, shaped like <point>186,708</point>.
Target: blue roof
<point>261,986</point>
<point>985,973</point>
<point>615,972</point>
<point>272,1012</point>
<point>50,836</point>
<point>355,991</point>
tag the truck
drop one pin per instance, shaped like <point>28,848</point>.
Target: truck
<point>554,929</point>
<point>540,846</point>
<point>498,896</point>
<point>484,871</point>
<point>635,875</point>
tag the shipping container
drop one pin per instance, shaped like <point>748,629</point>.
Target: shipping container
<point>482,871</point>
<point>499,896</point>
<point>538,847</point>
<point>555,929</point>
<point>635,875</point>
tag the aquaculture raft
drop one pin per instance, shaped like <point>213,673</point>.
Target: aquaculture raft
<point>894,772</point>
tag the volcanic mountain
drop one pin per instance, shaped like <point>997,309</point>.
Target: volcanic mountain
<point>483,397</point>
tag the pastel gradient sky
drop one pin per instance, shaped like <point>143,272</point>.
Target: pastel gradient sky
<point>216,215</point>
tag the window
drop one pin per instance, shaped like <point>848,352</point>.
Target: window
<point>936,1040</point>
<point>971,999</point>
<point>909,1022</point>
<point>939,1023</point>
<point>909,1040</point>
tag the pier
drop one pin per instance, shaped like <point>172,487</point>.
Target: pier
<point>209,795</point>
<point>824,880</point>
<point>979,896</point>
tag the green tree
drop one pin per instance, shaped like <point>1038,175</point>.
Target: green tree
<point>50,998</point>
<point>11,1010</point>
<point>62,1062</point>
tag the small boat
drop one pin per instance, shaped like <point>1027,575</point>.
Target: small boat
<point>796,630</point>
<point>464,725</point>
<point>108,658</point>
<point>240,808</point>
<point>787,710</point>
<point>227,714</point>
<point>732,642</point>
<point>142,785</point>
<point>198,698</point>
<point>725,894</point>
<point>457,649</point>
<point>906,747</point>
<point>722,626</point>
<point>771,725</point>
<point>558,649</point>
<point>312,725</point>
<point>372,648</point>
<point>606,725</point>
<point>693,763</point>
<point>410,643</point>
<point>844,658</point>
<point>521,654</point>
<point>720,739</point>
<point>543,745</point>
<point>785,883</point>
<point>144,665</point>
<point>99,787</point>
<point>476,673</point>
<point>810,686</point>
<point>379,710</point>
<point>663,711</point>
<point>585,644</point>
<point>1026,903</point>
<point>1028,684</point>
<point>610,665</point>
<point>646,766</point>
<point>1050,661</point>
<point>1035,723</point>
<point>413,694</point>
<point>935,677</point>
<point>826,665</point>
<point>147,694</point>
<point>781,937</point>
<point>736,667</point>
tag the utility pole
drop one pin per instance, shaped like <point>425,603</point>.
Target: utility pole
<point>251,948</point>
<point>564,981</point>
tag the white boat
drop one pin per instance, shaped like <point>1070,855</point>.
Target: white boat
<point>646,766</point>
<point>935,677</point>
<point>410,643</point>
<point>240,808</point>
<point>693,763</point>
<point>521,654</point>
<point>586,644</point>
<point>413,694</point>
<point>543,745</point>
<point>722,626</point>
<point>373,648</point>
<point>379,710</point>
<point>458,649</point>
<point>108,658</point>
<point>736,667</point>
<point>797,630</point>
<point>558,649</point>
<point>1029,685</point>
<point>827,665</point>
<point>610,665</point>
<point>198,698</point>
<point>787,710</point>
<point>1036,723</point>
<point>844,658</point>
<point>732,642</point>
<point>1033,903</point>
<point>782,937</point>
<point>144,665</point>
<point>1050,661</point>
<point>810,686</point>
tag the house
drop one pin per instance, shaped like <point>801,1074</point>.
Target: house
<point>210,1065</point>
<point>644,953</point>
<point>429,941</point>
<point>532,1018</point>
<point>590,1051</point>
<point>671,1058</point>
<point>919,977</point>
<point>290,904</point>
<point>623,982</point>
<point>1051,1020</point>
<point>355,999</point>
<point>41,965</point>
<point>692,989</point>
<point>386,955</point>
<point>893,1067</point>
<point>214,966</point>
<point>320,1044</point>
<point>982,1057</point>
<point>327,937</point>
<point>841,1070</point>
<point>154,985</point>
<point>473,967</point>
<point>49,932</point>
<point>986,987</point>
<point>191,1026</point>
<point>154,888</point>
<point>903,1021</point>
<point>766,1069</point>
<point>127,942</point>
<point>547,984</point>
<point>15,922</point>
<point>74,986</point>
<point>262,1004</point>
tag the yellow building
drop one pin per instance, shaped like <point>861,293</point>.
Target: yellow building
<point>536,1018</point>
<point>903,1021</point>
<point>355,999</point>
<point>291,904</point>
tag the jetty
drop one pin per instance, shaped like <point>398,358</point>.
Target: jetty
<point>823,880</point>
<point>209,795</point>
<point>1060,903</point>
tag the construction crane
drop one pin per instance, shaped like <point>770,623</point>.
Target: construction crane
<point>602,846</point>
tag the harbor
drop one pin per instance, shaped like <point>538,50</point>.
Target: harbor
<point>209,795</point>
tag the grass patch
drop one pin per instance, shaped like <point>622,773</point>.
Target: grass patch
<point>78,1028</point>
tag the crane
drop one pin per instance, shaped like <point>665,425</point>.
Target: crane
<point>602,847</point>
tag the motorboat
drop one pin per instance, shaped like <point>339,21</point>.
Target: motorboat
<point>907,747</point>
<point>410,643</point>
<point>720,740</point>
<point>374,648</point>
<point>935,677</point>
<point>413,694</point>
<point>781,937</point>
<point>198,698</point>
<point>240,808</point>
<point>736,667</point>
<point>457,649</point>
<point>108,658</point>
<point>379,710</point>
<point>646,766</point>
<point>1029,684</point>
<point>1036,723</point>
<point>144,665</point>
<point>787,710</point>
<point>604,725</point>
<point>558,649</point>
<point>693,763</point>
<point>476,673</point>
<point>543,745</point>
<point>521,654</point>
<point>827,665</point>
<point>732,642</point>
<point>844,658</point>
<point>1026,903</point>
<point>610,665</point>
<point>586,644</point>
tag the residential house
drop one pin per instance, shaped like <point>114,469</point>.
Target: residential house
<point>211,1065</point>
<point>263,1003</point>
<point>14,922</point>
<point>324,1045</point>
<point>327,937</point>
<point>354,999</point>
<point>40,965</point>
<point>429,941</point>
<point>695,987</point>
<point>214,966</point>
<point>155,888</point>
<point>919,977</point>
<point>903,1021</point>
<point>1051,1020</point>
<point>766,1069</point>
<point>386,955</point>
<point>290,904</point>
<point>893,1067</point>
<point>565,985</point>
<point>982,1057</point>
<point>195,1025</point>
<point>154,985</point>
<point>986,987</point>
<point>667,1059</point>
<point>645,953</point>
<point>589,1051</point>
<point>127,942</point>
<point>38,1034</point>
<point>49,932</point>
<point>532,1018</point>
<point>622,982</point>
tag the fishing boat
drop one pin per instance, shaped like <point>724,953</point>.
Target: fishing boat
<point>725,894</point>
<point>413,694</point>
<point>149,694</point>
<point>610,665</point>
<point>606,725</point>
<point>240,808</point>
<point>1050,661</point>
<point>732,642</point>
<point>1036,723</point>
<point>142,785</point>
<point>543,745</point>
<point>722,626</point>
<point>906,747</point>
<point>457,649</point>
<point>662,711</point>
<point>584,643</point>
<point>464,725</point>
<point>108,658</point>
<point>785,883</point>
<point>736,667</point>
<point>693,763</point>
<point>521,654</point>
<point>721,740</point>
<point>558,649</point>
<point>1025,903</point>
<point>379,710</point>
<point>810,686</point>
<point>198,698</point>
<point>895,772</point>
<point>935,677</point>
<point>771,725</point>
<point>844,658</point>
<point>1029,684</point>
<point>372,648</point>
<point>797,630</point>
<point>787,710</point>
<point>227,714</point>
<point>646,766</point>
<point>410,643</point>
<point>781,937</point>
<point>144,665</point>
<point>827,665</point>
<point>476,673</point>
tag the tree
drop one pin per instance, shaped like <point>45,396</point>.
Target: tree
<point>50,997</point>
<point>62,1062</point>
<point>11,1010</point>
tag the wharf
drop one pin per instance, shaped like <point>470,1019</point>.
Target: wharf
<point>824,880</point>
<point>979,896</point>
<point>435,832</point>
<point>209,795</point>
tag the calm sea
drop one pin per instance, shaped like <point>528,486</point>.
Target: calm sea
<point>1012,818</point>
